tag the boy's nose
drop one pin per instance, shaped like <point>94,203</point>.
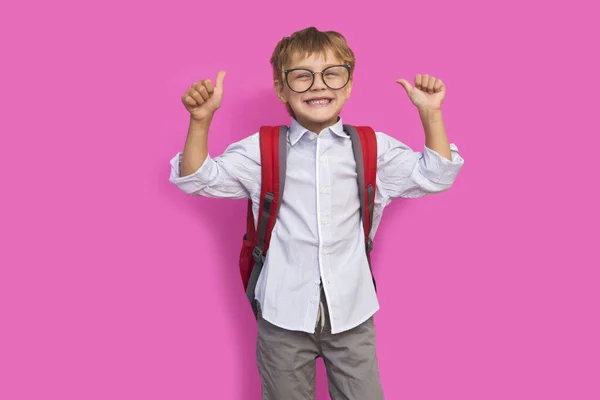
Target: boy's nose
<point>318,83</point>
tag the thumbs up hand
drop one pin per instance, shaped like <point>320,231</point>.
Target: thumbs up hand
<point>203,99</point>
<point>427,94</point>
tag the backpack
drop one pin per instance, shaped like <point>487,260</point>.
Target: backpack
<point>273,152</point>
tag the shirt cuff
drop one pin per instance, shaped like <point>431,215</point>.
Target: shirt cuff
<point>438,168</point>
<point>194,181</point>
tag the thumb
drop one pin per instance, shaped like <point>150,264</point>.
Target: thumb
<point>405,84</point>
<point>219,80</point>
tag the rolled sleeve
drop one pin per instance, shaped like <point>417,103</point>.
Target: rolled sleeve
<point>235,174</point>
<point>438,168</point>
<point>195,182</point>
<point>404,172</point>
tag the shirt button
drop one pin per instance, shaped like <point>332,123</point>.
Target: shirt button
<point>323,190</point>
<point>324,251</point>
<point>318,282</point>
<point>322,159</point>
<point>312,136</point>
<point>324,220</point>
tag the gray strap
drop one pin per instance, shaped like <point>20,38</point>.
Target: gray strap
<point>262,227</point>
<point>282,161</point>
<point>371,202</point>
<point>269,197</point>
<point>257,253</point>
<point>360,170</point>
<point>360,166</point>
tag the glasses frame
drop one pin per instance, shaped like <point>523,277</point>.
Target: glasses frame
<point>286,72</point>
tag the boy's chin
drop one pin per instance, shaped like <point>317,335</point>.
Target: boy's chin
<point>319,118</point>
<point>318,115</point>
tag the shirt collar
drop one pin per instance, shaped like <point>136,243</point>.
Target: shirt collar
<point>296,130</point>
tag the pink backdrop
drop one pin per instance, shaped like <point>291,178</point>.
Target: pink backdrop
<point>115,285</point>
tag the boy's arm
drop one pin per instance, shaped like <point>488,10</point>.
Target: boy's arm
<point>236,173</point>
<point>435,132</point>
<point>195,149</point>
<point>428,95</point>
<point>201,100</point>
<point>402,172</point>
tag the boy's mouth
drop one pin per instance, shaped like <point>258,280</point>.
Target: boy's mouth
<point>319,102</point>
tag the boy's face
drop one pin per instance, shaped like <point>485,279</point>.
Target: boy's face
<point>323,113</point>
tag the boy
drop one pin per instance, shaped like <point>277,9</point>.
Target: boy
<point>315,293</point>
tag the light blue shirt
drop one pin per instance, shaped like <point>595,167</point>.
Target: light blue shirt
<point>319,236</point>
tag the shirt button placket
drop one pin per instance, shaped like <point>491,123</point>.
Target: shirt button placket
<point>325,207</point>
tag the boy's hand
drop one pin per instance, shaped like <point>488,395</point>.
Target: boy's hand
<point>202,100</point>
<point>427,94</point>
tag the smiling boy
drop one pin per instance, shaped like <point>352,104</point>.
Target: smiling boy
<point>315,292</point>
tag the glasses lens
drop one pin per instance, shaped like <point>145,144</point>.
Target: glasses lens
<point>300,80</point>
<point>336,77</point>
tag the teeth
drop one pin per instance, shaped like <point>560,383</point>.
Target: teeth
<point>323,101</point>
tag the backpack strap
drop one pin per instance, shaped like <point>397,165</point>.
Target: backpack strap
<point>273,155</point>
<point>364,144</point>
<point>250,229</point>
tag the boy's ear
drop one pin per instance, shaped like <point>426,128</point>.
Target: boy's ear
<point>280,92</point>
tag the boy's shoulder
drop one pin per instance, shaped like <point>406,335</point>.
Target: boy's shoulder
<point>248,147</point>
<point>247,140</point>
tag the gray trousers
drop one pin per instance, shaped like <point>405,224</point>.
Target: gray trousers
<point>287,361</point>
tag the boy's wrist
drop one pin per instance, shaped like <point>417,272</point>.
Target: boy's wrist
<point>430,115</point>
<point>200,123</point>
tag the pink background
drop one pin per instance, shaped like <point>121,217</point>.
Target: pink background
<point>115,285</point>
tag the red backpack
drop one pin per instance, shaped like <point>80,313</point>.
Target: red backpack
<point>273,152</point>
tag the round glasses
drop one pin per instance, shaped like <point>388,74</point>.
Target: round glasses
<point>301,80</point>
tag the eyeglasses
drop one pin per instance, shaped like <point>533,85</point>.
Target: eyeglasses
<point>301,80</point>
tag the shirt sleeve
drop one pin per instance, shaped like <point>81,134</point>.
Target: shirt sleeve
<point>403,172</point>
<point>235,174</point>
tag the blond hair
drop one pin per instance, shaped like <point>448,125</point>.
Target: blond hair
<point>308,42</point>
